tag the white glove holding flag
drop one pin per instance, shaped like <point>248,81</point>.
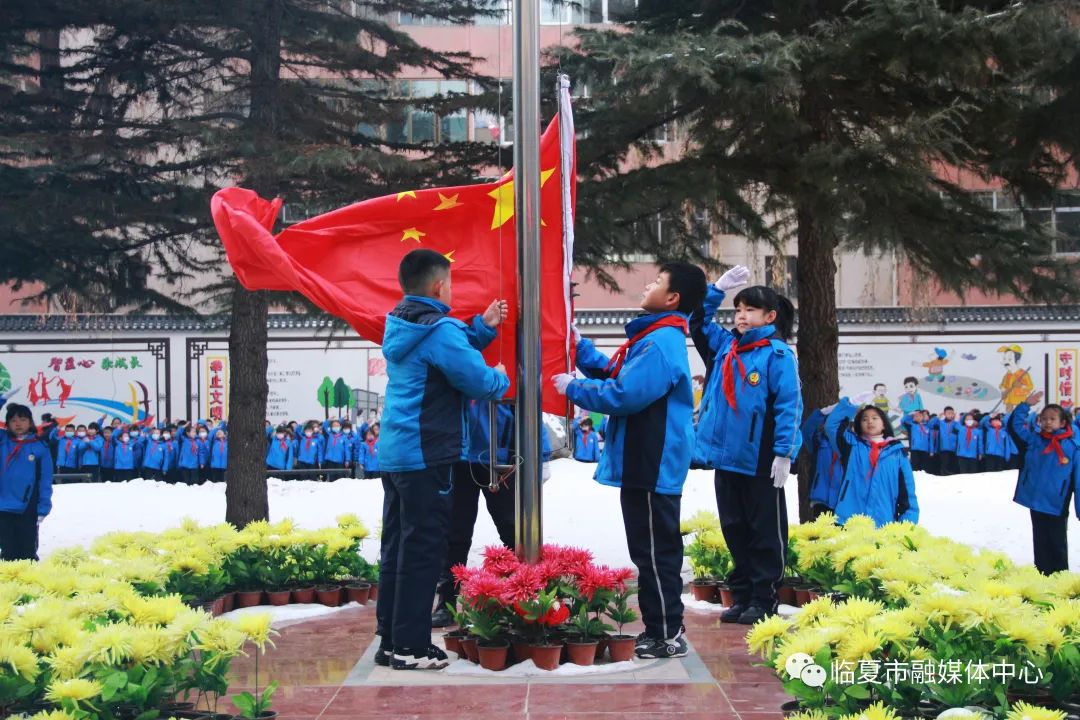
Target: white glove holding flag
<point>781,471</point>
<point>10,393</point>
<point>575,334</point>
<point>828,408</point>
<point>733,278</point>
<point>561,382</point>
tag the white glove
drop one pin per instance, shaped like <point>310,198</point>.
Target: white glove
<point>781,471</point>
<point>828,408</point>
<point>561,381</point>
<point>39,519</point>
<point>575,334</point>
<point>733,278</point>
<point>10,393</point>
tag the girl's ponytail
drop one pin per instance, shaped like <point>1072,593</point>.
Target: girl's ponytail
<point>785,317</point>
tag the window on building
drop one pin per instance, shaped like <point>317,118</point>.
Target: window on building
<point>780,275</point>
<point>1059,214</point>
<point>571,12</point>
<point>416,124</point>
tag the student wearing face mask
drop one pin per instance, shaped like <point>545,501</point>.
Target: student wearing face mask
<point>25,484</point>
<point>878,481</point>
<point>91,446</point>
<point>996,443</point>
<point>108,450</point>
<point>188,458</point>
<point>219,455</point>
<point>126,456</point>
<point>155,462</point>
<point>280,453</point>
<point>309,449</point>
<point>67,451</point>
<point>969,445</point>
<point>1049,478</point>
<point>171,437</point>
<point>202,434</point>
<point>337,452</point>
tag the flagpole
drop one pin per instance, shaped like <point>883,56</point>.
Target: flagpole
<point>528,531</point>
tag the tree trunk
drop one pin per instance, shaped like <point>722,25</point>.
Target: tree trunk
<point>819,337</point>
<point>245,495</point>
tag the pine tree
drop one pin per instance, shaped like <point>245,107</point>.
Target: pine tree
<point>137,112</point>
<point>842,124</point>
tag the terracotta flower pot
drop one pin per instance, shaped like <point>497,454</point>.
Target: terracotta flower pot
<point>228,601</point>
<point>248,598</point>
<point>1033,696</point>
<point>278,597</point>
<point>468,646</point>
<point>329,596</point>
<point>727,598</point>
<point>452,642</point>
<point>813,594</point>
<point>786,593</point>
<point>582,653</point>
<point>802,596</point>
<point>219,606</point>
<point>601,648</point>
<point>621,647</point>
<point>303,595</point>
<point>522,650</point>
<point>493,657</point>
<point>358,592</point>
<point>703,590</point>
<point>374,591</point>
<point>790,707</point>
<point>170,707</point>
<point>546,657</point>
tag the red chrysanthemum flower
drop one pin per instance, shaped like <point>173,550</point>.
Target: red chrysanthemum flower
<point>620,576</point>
<point>483,586</point>
<point>500,560</point>
<point>524,584</point>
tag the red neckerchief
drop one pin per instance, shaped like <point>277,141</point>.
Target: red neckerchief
<point>1055,444</point>
<point>584,437</point>
<point>969,428</point>
<point>832,463</point>
<point>67,447</point>
<point>19,442</point>
<point>726,369</point>
<point>283,444</point>
<point>875,450</point>
<point>371,444</point>
<point>221,442</point>
<point>107,441</point>
<point>925,430</point>
<point>194,447</point>
<point>997,433</point>
<point>619,357</point>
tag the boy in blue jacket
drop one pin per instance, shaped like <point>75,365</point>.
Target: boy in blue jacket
<point>920,438</point>
<point>748,431</point>
<point>969,446</point>
<point>127,456</point>
<point>219,455</point>
<point>156,456</point>
<point>280,451</point>
<point>586,443</point>
<point>309,449</point>
<point>189,456</point>
<point>878,481</point>
<point>108,450</point>
<point>1049,476</point>
<point>828,471</point>
<point>25,484</point>
<point>337,452</point>
<point>434,364</point>
<point>367,456</point>
<point>90,449</point>
<point>948,434</point>
<point>67,450</point>
<point>997,446</point>
<point>647,392</point>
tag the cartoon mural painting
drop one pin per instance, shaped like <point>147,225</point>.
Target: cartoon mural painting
<point>935,366</point>
<point>911,400</point>
<point>1016,385</point>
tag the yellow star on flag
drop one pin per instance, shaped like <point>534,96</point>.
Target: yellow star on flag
<point>447,203</point>
<point>409,193</point>
<point>449,256</point>
<point>412,234</point>
<point>504,199</point>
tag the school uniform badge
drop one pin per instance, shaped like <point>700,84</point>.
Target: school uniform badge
<point>753,378</point>
<point>31,458</point>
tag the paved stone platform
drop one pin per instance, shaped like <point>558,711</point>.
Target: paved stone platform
<point>326,671</point>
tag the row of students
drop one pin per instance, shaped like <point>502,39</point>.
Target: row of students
<point>331,445</point>
<point>947,446</point>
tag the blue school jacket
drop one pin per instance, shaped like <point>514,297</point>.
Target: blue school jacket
<point>368,456</point>
<point>280,454</point>
<point>828,470</point>
<point>920,436</point>
<point>67,452</point>
<point>26,464</point>
<point>338,449</point>
<point>586,447</point>
<point>434,364</point>
<point>157,455</point>
<point>90,450</point>
<point>1045,483</point>
<point>219,453</point>
<point>650,407</point>
<point>479,450</point>
<point>765,422</point>
<point>126,455</point>
<point>972,448</point>
<point>886,492</point>
<point>947,433</point>
<point>108,451</point>
<point>308,449</point>
<point>189,453</point>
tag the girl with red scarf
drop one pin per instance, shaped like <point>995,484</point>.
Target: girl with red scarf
<point>1048,478</point>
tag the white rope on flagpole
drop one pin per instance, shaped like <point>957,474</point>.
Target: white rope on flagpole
<point>566,162</point>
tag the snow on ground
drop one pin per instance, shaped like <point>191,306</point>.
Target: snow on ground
<point>282,616</point>
<point>974,509</point>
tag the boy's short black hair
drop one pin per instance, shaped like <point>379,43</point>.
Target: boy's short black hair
<point>93,426</point>
<point>69,425</point>
<point>419,268</point>
<point>911,379</point>
<point>586,421</point>
<point>877,385</point>
<point>689,281</point>
<point>949,407</point>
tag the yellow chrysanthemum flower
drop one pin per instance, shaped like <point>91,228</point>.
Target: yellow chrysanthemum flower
<point>808,715</point>
<point>815,612</point>
<point>21,659</point>
<point>856,610</point>
<point>877,711</point>
<point>154,610</point>
<point>154,646</point>
<point>762,637</point>
<point>77,690</point>
<point>699,521</point>
<point>67,662</point>
<point>221,637</point>
<point>858,644</point>
<point>110,644</point>
<point>893,627</point>
<point>52,715</point>
<point>256,627</point>
<point>808,641</point>
<point>1023,711</point>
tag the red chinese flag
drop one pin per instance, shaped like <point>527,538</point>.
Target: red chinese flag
<point>346,261</point>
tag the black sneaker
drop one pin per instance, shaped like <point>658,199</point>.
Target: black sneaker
<point>383,657</point>
<point>671,648</point>
<point>431,658</point>
<point>733,613</point>
<point>755,613</point>
<point>441,618</point>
